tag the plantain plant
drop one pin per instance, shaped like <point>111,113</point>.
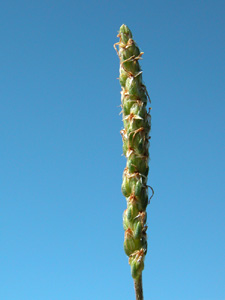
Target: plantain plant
<point>135,136</point>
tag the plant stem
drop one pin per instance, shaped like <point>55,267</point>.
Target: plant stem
<point>138,288</point>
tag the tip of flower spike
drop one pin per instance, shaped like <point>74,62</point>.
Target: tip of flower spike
<point>125,30</point>
<point>125,33</point>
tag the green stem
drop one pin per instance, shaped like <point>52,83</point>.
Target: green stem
<point>138,288</point>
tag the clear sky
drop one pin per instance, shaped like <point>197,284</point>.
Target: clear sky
<point>61,166</point>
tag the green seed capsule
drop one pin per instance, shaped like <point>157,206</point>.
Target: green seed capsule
<point>139,146</point>
<point>131,66</point>
<point>129,213</point>
<point>138,188</point>
<point>126,190</point>
<point>132,168</point>
<point>130,51</point>
<point>134,269</point>
<point>137,123</point>
<point>129,242</point>
<point>137,230</point>
<point>124,55</point>
<point>124,37</point>
<point>123,79</point>
<point>133,49</point>
<point>138,110</point>
<point>132,86</point>
<point>126,107</point>
<point>133,211</point>
<point>126,248</point>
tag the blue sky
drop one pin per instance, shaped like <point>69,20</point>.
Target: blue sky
<point>61,166</point>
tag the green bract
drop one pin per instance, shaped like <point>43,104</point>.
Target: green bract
<point>135,135</point>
